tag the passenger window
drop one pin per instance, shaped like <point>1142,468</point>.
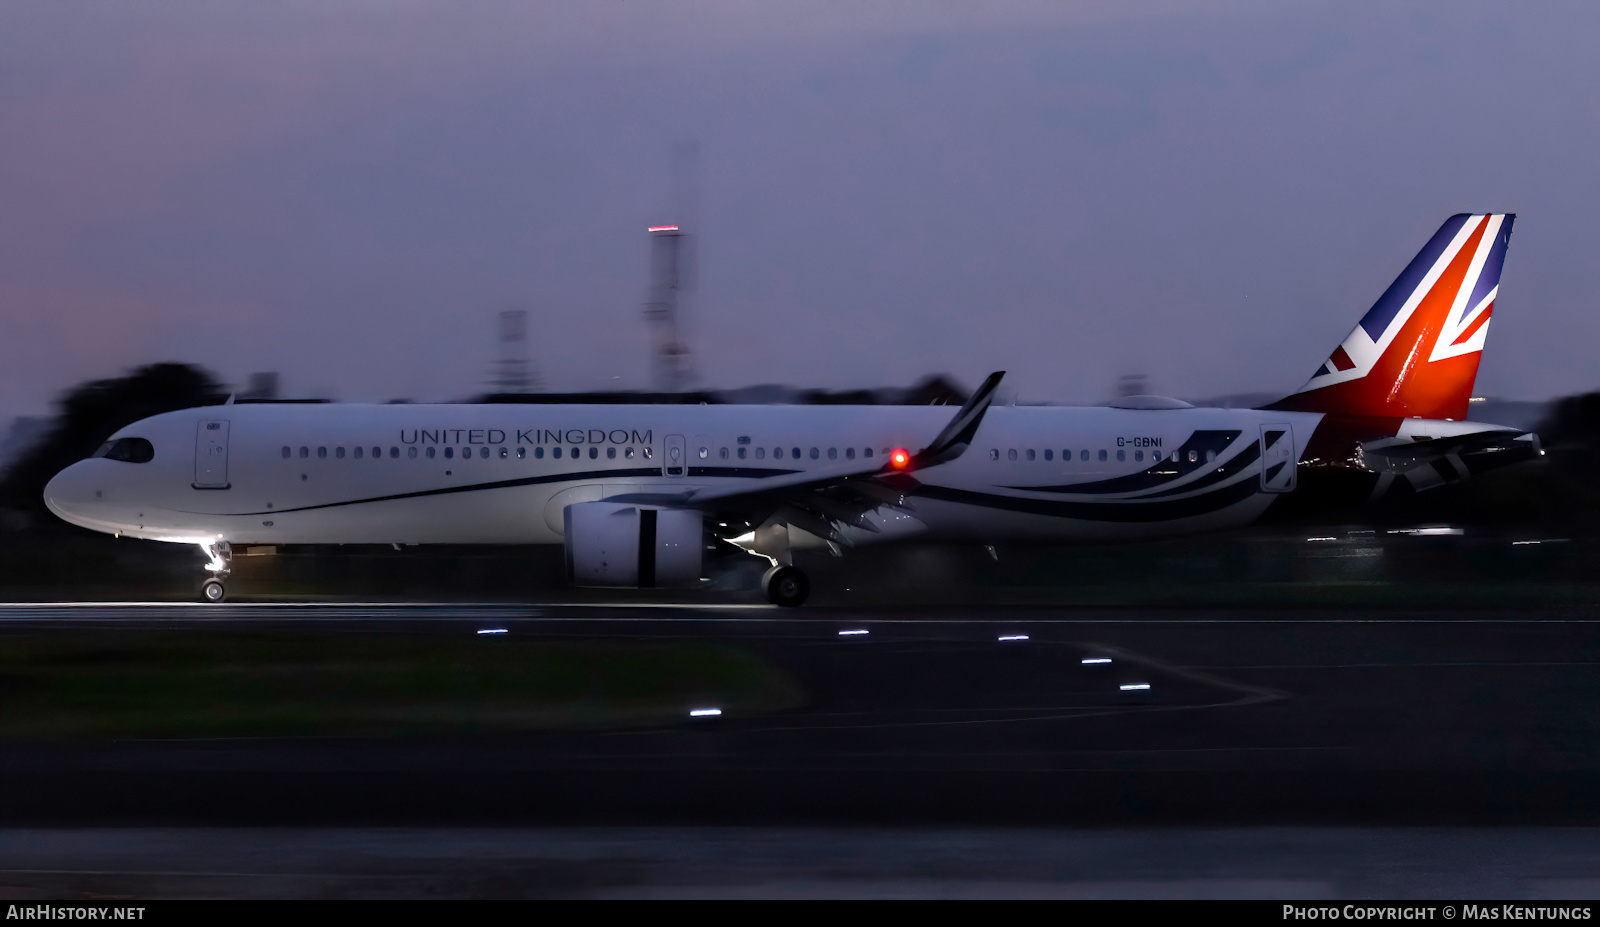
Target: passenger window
<point>1192,455</point>
<point>504,453</point>
<point>555,452</point>
<point>322,453</point>
<point>1102,454</point>
<point>833,453</point>
<point>522,453</point>
<point>449,453</point>
<point>867,452</point>
<point>723,453</point>
<point>741,453</point>
<point>849,453</point>
<point>430,452</point>
<point>338,452</point>
<point>1030,453</point>
<point>1138,456</point>
<point>761,452</point>
<point>814,454</point>
<point>394,453</point>
<point>1210,456</point>
<point>796,452</point>
<point>359,453</point>
<point>777,453</point>
<point>286,452</point>
<point>628,453</point>
<point>538,453</point>
<point>1011,454</point>
<point>376,453</point>
<point>411,453</point>
<point>1083,454</point>
<point>994,453</point>
<point>611,453</point>
<point>305,452</point>
<point>1122,455</point>
<point>1048,453</point>
<point>648,453</point>
<point>594,453</point>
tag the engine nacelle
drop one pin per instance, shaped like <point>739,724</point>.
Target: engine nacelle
<point>633,546</point>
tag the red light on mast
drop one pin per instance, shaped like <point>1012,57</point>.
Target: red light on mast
<point>900,458</point>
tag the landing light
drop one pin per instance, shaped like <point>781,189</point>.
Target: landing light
<point>1088,660</point>
<point>492,631</point>
<point>1013,637</point>
<point>663,228</point>
<point>705,712</point>
<point>851,633</point>
<point>1134,685</point>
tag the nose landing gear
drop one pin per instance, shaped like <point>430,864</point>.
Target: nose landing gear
<point>219,555</point>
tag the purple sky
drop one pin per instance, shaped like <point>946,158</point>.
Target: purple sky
<point>1207,193</point>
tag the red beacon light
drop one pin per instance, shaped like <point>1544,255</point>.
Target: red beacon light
<point>900,458</point>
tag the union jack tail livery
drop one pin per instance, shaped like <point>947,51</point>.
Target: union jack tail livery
<point>1416,351</point>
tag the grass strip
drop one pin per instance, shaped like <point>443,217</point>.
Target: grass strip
<point>116,684</point>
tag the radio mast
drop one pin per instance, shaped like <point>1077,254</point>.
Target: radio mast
<point>514,372</point>
<point>668,278</point>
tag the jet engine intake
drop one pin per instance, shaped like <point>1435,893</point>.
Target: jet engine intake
<point>613,544</point>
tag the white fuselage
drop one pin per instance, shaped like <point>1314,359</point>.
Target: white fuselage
<point>502,474</point>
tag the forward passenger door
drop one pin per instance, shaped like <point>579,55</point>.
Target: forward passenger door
<point>211,455</point>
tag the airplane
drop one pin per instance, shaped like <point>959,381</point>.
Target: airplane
<point>653,496</point>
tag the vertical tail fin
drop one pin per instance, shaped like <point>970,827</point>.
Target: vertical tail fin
<point>1416,351</point>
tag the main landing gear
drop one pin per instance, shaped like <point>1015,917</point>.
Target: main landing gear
<point>785,586</point>
<point>219,556</point>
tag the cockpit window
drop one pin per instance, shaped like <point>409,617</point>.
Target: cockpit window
<point>131,450</point>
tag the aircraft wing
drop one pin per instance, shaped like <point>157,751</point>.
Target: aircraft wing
<point>820,501</point>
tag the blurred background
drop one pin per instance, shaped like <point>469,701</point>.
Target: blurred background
<point>808,202</point>
<point>1209,194</point>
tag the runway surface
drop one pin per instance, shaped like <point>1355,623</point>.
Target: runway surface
<point>952,722</point>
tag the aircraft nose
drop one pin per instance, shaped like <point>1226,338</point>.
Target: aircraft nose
<point>70,493</point>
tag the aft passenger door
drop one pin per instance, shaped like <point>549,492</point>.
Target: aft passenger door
<point>211,455</point>
<point>1277,458</point>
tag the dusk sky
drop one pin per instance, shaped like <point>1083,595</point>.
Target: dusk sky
<point>1208,193</point>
